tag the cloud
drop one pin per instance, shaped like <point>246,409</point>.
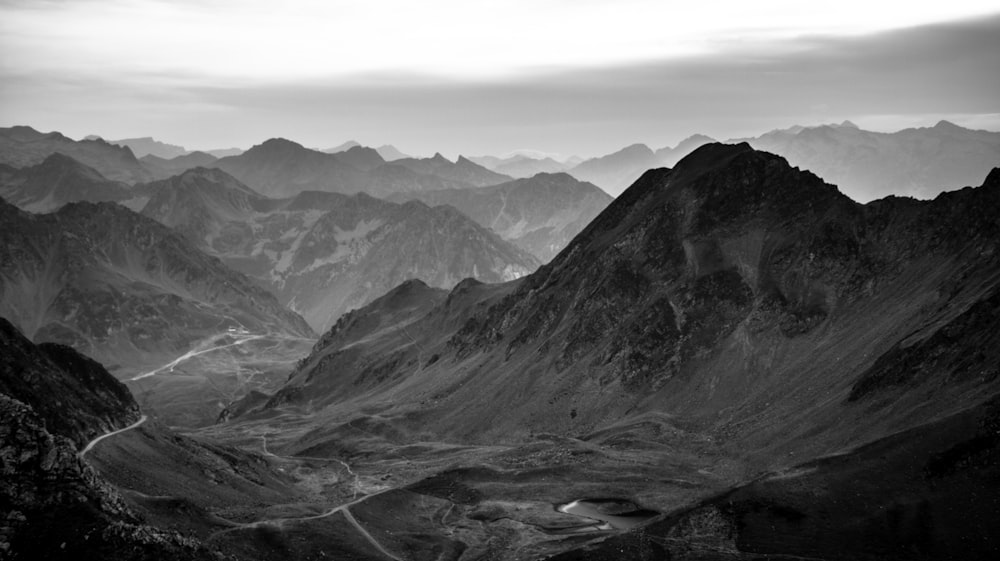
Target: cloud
<point>734,90</point>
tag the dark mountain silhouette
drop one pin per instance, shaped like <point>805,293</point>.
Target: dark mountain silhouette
<point>57,180</point>
<point>540,214</point>
<point>326,253</point>
<point>24,146</point>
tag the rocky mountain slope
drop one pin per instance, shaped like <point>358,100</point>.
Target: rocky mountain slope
<point>326,253</point>
<point>143,493</point>
<point>22,146</point>
<point>836,362</point>
<point>52,402</point>
<point>747,296</point>
<point>866,165</point>
<point>57,180</point>
<point>540,214</point>
<point>122,287</point>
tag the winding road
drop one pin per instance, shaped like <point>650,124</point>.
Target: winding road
<point>341,508</point>
<point>90,445</point>
<point>190,354</point>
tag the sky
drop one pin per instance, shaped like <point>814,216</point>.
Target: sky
<point>567,77</point>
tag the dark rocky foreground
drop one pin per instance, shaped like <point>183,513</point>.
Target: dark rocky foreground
<point>55,506</point>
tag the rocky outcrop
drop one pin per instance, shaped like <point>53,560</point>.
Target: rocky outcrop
<point>76,396</point>
<point>56,507</point>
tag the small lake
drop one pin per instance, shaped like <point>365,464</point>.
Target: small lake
<point>612,514</point>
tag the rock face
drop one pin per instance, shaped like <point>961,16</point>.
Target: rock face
<point>52,402</point>
<point>119,286</point>
<point>540,214</point>
<point>282,168</point>
<point>55,507</point>
<point>55,181</point>
<point>24,146</point>
<point>866,165</point>
<point>737,292</point>
<point>326,253</point>
<point>74,395</point>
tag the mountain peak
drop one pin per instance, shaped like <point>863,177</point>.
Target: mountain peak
<point>993,179</point>
<point>947,125</point>
<point>440,159</point>
<point>276,144</point>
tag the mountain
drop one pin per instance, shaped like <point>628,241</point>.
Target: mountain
<point>463,170</point>
<point>918,162</point>
<point>616,171</point>
<point>149,146</point>
<point>390,153</point>
<point>123,288</point>
<point>540,214</point>
<point>326,253</point>
<point>668,157</point>
<point>343,147</point>
<point>224,152</point>
<point>24,146</point>
<point>524,167</point>
<point>74,395</point>
<point>282,168</point>
<point>163,168</point>
<point>58,180</point>
<point>361,157</point>
<point>819,375</point>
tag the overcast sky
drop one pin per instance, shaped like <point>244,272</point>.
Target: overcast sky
<point>579,77</point>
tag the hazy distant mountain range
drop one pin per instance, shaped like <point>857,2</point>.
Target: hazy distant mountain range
<point>282,168</point>
<point>866,165</point>
<point>325,253</point>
